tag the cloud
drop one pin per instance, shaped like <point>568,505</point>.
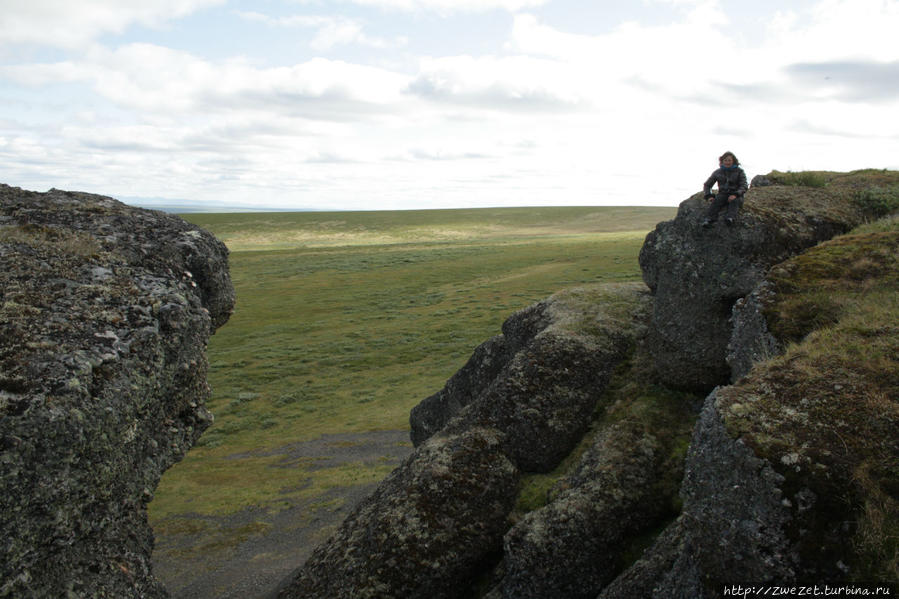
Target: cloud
<point>67,24</point>
<point>329,157</point>
<point>671,58</point>
<point>159,81</point>
<point>330,31</point>
<point>511,83</point>
<point>850,81</point>
<point>441,155</point>
<point>452,6</point>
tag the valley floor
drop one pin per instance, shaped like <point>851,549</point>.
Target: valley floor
<point>256,548</point>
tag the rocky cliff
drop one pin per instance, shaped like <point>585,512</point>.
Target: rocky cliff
<point>575,456</point>
<point>793,472</point>
<point>105,312</point>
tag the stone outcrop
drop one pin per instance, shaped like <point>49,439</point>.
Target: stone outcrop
<point>793,470</point>
<point>105,312</point>
<point>697,275</point>
<point>546,384</point>
<point>750,340</point>
<point>445,510</point>
<point>772,488</point>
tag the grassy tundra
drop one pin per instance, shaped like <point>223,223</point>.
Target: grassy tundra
<point>344,321</point>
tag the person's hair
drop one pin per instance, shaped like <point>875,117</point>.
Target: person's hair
<point>725,155</point>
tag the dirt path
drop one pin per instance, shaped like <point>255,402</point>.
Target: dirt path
<point>246,555</point>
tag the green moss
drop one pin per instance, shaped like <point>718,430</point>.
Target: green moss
<point>841,198</point>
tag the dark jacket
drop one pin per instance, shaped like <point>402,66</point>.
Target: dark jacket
<point>731,181</point>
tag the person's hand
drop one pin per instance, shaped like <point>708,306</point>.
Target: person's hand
<point>731,198</point>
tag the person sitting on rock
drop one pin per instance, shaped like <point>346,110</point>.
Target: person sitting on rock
<point>732,185</point>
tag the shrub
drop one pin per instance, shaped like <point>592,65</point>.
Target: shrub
<point>879,201</point>
<point>800,179</point>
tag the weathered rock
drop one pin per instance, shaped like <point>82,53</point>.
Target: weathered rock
<point>105,312</point>
<point>697,274</point>
<point>751,341</point>
<point>428,531</point>
<point>571,547</point>
<point>732,527</point>
<point>761,181</point>
<point>792,472</point>
<point>544,382</point>
<point>432,414</point>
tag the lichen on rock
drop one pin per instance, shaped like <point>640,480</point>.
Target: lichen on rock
<point>105,312</point>
<point>698,274</point>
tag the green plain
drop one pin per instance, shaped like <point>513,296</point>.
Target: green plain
<point>346,320</point>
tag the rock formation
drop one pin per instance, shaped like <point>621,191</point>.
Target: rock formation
<point>791,473</point>
<point>697,275</point>
<point>105,312</point>
<point>445,510</point>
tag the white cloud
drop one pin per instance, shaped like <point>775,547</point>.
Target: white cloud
<point>503,83</point>
<point>67,24</point>
<point>330,31</point>
<point>837,29</point>
<point>452,6</point>
<point>157,80</point>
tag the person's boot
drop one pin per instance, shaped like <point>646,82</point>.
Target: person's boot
<point>707,223</point>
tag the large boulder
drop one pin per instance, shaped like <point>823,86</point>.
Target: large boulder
<point>105,313</point>
<point>431,527</point>
<point>544,376</point>
<point>436,524</point>
<point>697,274</point>
<point>571,547</point>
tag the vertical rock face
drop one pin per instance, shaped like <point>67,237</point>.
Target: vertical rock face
<point>697,274</point>
<point>105,312</point>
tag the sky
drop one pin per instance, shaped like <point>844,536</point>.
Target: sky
<point>411,104</point>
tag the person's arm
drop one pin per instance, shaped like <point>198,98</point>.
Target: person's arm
<point>707,187</point>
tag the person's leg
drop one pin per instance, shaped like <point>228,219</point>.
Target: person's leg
<point>733,209</point>
<point>719,202</point>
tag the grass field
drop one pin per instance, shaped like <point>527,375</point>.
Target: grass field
<point>345,321</point>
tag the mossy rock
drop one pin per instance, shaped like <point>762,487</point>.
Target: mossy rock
<point>825,414</point>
